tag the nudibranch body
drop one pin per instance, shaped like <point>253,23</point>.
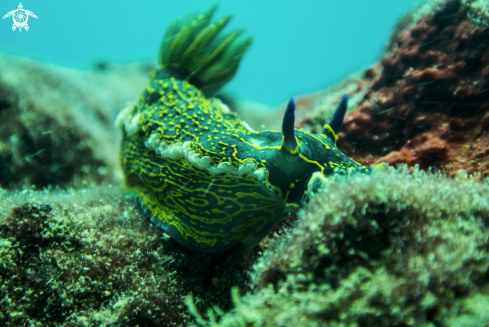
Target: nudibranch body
<point>200,172</point>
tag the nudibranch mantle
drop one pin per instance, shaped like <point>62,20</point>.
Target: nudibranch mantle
<point>208,179</point>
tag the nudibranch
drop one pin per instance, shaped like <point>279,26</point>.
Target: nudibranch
<point>200,172</point>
